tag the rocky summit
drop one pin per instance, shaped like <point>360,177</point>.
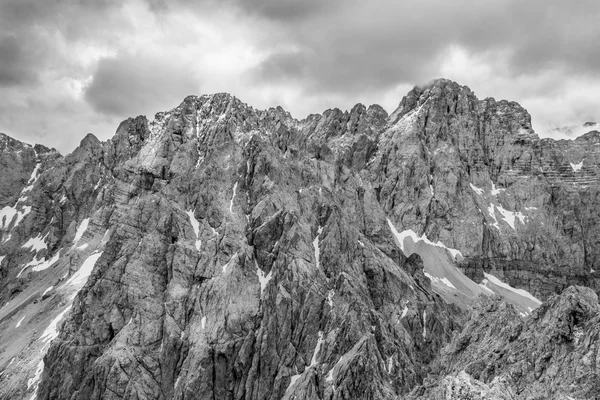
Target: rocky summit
<point>217,251</point>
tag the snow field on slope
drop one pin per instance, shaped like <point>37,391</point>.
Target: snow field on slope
<point>439,267</point>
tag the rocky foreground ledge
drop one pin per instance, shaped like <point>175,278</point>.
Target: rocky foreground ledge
<point>553,354</point>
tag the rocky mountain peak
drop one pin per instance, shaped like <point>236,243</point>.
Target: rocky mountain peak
<point>90,140</point>
<point>7,143</point>
<point>445,100</point>
<point>40,149</point>
<point>443,88</point>
<point>439,92</point>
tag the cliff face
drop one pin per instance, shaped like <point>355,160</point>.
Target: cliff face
<point>224,252</point>
<point>474,175</point>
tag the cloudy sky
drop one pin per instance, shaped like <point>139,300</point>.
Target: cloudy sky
<point>68,67</point>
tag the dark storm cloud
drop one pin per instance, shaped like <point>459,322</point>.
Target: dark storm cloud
<point>61,13</point>
<point>42,22</point>
<point>15,64</point>
<point>375,44</point>
<point>315,52</point>
<point>134,84</point>
<point>350,70</point>
<point>31,32</point>
<point>278,10</point>
<point>285,10</point>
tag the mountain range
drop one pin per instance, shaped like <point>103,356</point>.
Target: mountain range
<point>223,252</point>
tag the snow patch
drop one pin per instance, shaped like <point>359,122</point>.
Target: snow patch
<point>24,268</point>
<point>407,119</point>
<point>415,238</point>
<point>46,264</point>
<point>506,286</point>
<point>576,167</point>
<point>34,174</point>
<point>313,360</point>
<point>509,216</point>
<point>316,246</point>
<point>404,312</point>
<point>80,277</point>
<point>329,377</point>
<point>493,215</point>
<point>47,291</point>
<point>293,380</point>
<point>330,298</point>
<point>7,214</point>
<point>200,159</point>
<point>477,190</point>
<point>51,331</point>
<point>424,324</point>
<point>262,278</point>
<point>81,230</point>
<point>20,321</point>
<point>232,198</point>
<point>36,377</point>
<point>39,265</point>
<point>30,183</point>
<point>196,227</point>
<point>37,243</point>
<point>203,322</point>
<point>496,191</point>
<point>444,281</point>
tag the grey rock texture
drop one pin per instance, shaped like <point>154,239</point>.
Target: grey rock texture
<point>223,252</point>
<point>171,312</point>
<point>17,161</point>
<point>473,174</point>
<point>551,355</point>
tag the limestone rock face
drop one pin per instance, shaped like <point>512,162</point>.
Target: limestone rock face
<point>223,252</point>
<point>17,161</point>
<point>473,174</point>
<point>551,355</point>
